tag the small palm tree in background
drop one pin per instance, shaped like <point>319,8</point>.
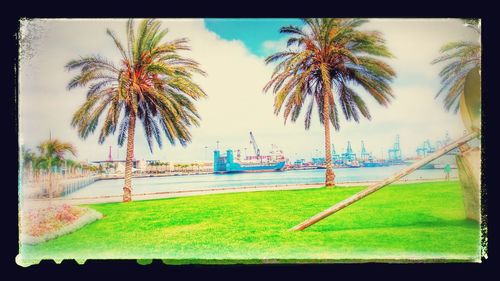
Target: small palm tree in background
<point>464,64</point>
<point>152,84</point>
<point>52,153</point>
<point>70,165</point>
<point>331,55</point>
<point>28,159</point>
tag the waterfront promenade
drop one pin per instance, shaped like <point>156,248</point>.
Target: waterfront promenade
<point>205,191</point>
<point>57,185</point>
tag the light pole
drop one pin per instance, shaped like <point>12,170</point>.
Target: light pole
<point>206,152</point>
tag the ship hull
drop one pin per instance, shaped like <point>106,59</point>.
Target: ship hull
<point>373,164</point>
<point>252,169</point>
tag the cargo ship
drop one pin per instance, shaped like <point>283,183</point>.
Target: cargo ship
<point>231,163</point>
<point>371,164</point>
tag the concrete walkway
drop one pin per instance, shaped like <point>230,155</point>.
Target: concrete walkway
<point>185,193</point>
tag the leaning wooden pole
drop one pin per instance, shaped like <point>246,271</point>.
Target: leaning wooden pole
<point>371,189</point>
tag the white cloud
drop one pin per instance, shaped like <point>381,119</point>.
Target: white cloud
<point>234,84</point>
<point>273,46</point>
<point>416,42</point>
<point>236,103</point>
<point>414,114</point>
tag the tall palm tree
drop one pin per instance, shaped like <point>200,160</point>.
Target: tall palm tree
<point>330,56</point>
<point>464,60</point>
<point>152,83</point>
<point>52,153</point>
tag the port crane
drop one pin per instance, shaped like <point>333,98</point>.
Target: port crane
<point>394,153</point>
<point>425,149</point>
<point>255,146</point>
<point>364,154</point>
<point>335,156</point>
<point>349,155</point>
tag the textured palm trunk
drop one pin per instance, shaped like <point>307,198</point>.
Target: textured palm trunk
<point>329,175</point>
<point>469,159</point>
<point>469,171</point>
<point>127,189</point>
<point>50,181</point>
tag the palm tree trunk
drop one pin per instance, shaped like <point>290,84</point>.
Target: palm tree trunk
<point>127,189</point>
<point>329,176</point>
<point>469,172</point>
<point>50,180</point>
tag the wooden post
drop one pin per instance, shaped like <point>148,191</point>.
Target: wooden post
<point>371,189</point>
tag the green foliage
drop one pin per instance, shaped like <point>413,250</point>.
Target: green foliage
<point>330,53</point>
<point>51,153</point>
<point>56,149</point>
<point>144,261</point>
<point>152,83</point>
<point>407,221</point>
<point>28,157</point>
<point>472,21</point>
<point>159,163</point>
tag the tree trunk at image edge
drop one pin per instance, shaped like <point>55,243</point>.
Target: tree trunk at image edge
<point>469,159</point>
<point>329,175</point>
<point>127,189</point>
<point>469,172</point>
<point>50,181</point>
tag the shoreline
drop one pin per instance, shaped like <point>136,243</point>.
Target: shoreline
<point>114,177</point>
<point>200,173</point>
<point>215,190</point>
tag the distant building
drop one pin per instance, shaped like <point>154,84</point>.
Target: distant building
<point>299,162</point>
<point>318,161</point>
<point>116,165</point>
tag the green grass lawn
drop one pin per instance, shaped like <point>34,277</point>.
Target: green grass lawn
<point>408,221</point>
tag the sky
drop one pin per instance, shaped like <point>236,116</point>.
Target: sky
<point>260,36</point>
<point>232,52</point>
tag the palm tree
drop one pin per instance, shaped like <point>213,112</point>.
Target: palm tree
<point>464,60</point>
<point>29,159</point>
<point>152,83</point>
<point>70,165</point>
<point>52,152</point>
<point>330,56</point>
<point>461,81</point>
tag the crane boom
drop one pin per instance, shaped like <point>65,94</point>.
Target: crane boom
<point>255,146</point>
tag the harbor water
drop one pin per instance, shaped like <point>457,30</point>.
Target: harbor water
<point>214,181</point>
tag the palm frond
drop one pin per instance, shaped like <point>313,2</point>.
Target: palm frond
<point>330,52</point>
<point>117,43</point>
<point>153,83</point>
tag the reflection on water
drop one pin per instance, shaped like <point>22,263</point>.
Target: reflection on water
<point>176,183</point>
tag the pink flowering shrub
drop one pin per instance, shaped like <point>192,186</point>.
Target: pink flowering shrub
<point>38,222</point>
